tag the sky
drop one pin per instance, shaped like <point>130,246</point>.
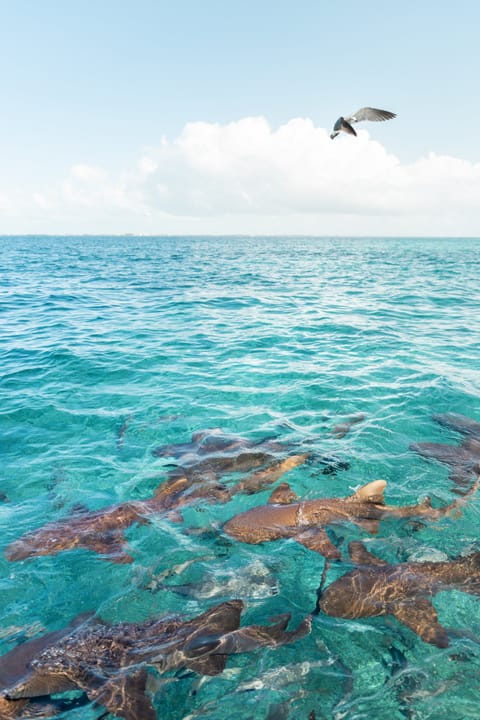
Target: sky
<point>213,117</point>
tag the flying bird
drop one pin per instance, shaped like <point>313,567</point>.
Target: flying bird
<point>366,113</point>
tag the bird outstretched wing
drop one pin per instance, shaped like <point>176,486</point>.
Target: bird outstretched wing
<point>368,113</point>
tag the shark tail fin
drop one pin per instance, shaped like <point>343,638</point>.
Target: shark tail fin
<point>252,637</point>
<point>213,651</point>
<point>370,493</point>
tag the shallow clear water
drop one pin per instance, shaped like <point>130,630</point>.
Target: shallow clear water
<point>111,347</point>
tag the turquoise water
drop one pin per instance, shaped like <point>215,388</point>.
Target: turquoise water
<point>113,346</point>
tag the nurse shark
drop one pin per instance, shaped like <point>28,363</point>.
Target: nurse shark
<point>463,459</point>
<point>103,531</point>
<point>212,453</point>
<point>404,590</point>
<point>14,665</point>
<point>110,663</point>
<point>286,516</point>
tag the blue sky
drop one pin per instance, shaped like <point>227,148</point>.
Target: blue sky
<point>99,84</point>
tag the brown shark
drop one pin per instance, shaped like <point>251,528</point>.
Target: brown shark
<point>464,460</point>
<point>109,663</point>
<point>213,453</point>
<point>403,590</point>
<point>207,442</point>
<point>285,516</point>
<point>15,664</point>
<point>460,423</point>
<point>341,429</point>
<point>103,530</point>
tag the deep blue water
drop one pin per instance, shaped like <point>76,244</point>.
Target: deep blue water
<point>112,346</point>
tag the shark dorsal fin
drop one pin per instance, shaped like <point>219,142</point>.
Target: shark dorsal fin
<point>370,493</point>
<point>361,556</point>
<point>282,495</point>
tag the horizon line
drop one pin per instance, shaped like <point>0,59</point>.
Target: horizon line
<point>242,235</point>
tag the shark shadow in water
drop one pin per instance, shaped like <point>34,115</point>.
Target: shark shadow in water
<point>464,459</point>
<point>285,516</point>
<point>404,590</point>
<point>109,663</point>
<point>103,531</point>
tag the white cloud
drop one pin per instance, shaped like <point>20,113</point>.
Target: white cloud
<point>88,173</point>
<point>246,176</point>
<point>147,166</point>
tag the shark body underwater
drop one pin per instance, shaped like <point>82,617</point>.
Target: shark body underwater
<point>103,531</point>
<point>213,453</point>
<point>198,466</point>
<point>404,590</point>
<point>109,663</point>
<point>285,516</point>
<point>463,460</point>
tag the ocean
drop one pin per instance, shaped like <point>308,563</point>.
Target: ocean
<point>112,347</point>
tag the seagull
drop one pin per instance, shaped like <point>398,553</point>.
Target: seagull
<point>366,113</point>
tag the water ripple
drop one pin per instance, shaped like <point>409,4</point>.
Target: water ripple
<point>112,346</point>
